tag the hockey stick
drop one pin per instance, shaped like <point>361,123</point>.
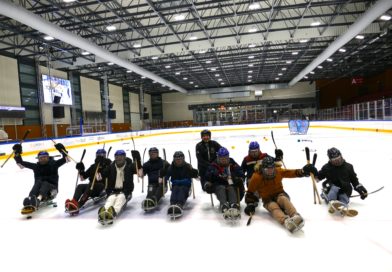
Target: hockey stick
<point>20,142</point>
<point>107,154</point>
<point>95,177</point>
<point>379,189</point>
<point>273,139</point>
<point>144,153</point>
<point>315,190</point>
<point>190,162</point>
<point>81,159</point>
<point>68,156</point>
<point>250,219</point>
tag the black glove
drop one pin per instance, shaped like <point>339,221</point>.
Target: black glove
<point>362,191</point>
<point>106,162</point>
<point>278,154</point>
<point>17,149</point>
<point>61,148</point>
<point>309,168</point>
<point>238,181</point>
<point>80,167</point>
<point>250,209</point>
<point>99,159</point>
<point>208,187</point>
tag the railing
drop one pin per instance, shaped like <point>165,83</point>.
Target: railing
<point>86,129</point>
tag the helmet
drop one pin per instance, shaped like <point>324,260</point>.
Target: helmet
<point>205,132</point>
<point>223,152</point>
<point>153,150</point>
<point>178,154</point>
<point>254,146</point>
<point>43,153</point>
<point>268,167</point>
<point>333,153</point>
<point>120,153</point>
<point>101,152</point>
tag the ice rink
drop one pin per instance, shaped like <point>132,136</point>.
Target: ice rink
<point>201,240</point>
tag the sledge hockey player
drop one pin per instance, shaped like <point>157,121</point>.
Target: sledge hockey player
<point>256,156</point>
<point>155,168</point>
<point>267,182</point>
<point>180,174</point>
<point>120,187</point>
<point>84,192</point>
<point>46,176</point>
<point>340,181</point>
<point>225,179</point>
<point>205,153</point>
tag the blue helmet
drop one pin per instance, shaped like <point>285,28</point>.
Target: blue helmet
<point>101,152</point>
<point>223,152</point>
<point>120,152</point>
<point>43,153</point>
<point>254,146</point>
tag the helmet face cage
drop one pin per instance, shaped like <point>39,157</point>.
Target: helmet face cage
<point>153,152</point>
<point>335,157</point>
<point>43,157</point>
<point>205,134</point>
<point>268,168</point>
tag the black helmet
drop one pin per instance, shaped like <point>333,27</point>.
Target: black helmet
<point>333,153</point>
<point>268,162</point>
<point>266,165</point>
<point>153,150</point>
<point>205,132</point>
<point>178,154</point>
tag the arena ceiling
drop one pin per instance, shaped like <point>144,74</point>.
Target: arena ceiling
<point>186,46</point>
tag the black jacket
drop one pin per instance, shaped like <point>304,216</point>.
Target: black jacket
<point>128,185</point>
<point>155,169</point>
<point>206,153</point>
<point>181,175</point>
<point>218,175</point>
<point>90,172</point>
<point>47,172</point>
<point>342,176</point>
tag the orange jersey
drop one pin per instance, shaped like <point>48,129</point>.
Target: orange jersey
<point>270,188</point>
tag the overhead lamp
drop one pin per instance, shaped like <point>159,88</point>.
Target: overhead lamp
<point>219,79</point>
<point>167,66</point>
<point>68,1</point>
<point>129,71</point>
<point>289,61</point>
<point>280,74</point>
<point>216,75</point>
<point>110,63</point>
<point>254,6</point>
<point>222,83</point>
<point>252,30</point>
<point>250,76</point>
<point>284,69</point>
<point>213,69</point>
<point>178,73</point>
<point>330,60</point>
<point>111,28</point>
<point>360,37</point>
<point>196,86</point>
<point>251,57</point>
<point>193,38</point>
<point>190,82</point>
<point>305,77</point>
<point>385,17</point>
<point>317,23</point>
<point>320,67</point>
<point>154,57</point>
<point>137,45</point>
<point>312,73</point>
<point>184,78</point>
<point>276,78</point>
<point>179,17</point>
<point>85,53</point>
<point>143,77</point>
<point>250,65</point>
<point>303,41</point>
<point>249,72</point>
<point>294,53</point>
<point>342,50</point>
<point>48,38</point>
<point>208,61</point>
<point>249,80</point>
<point>252,45</point>
<point>202,51</point>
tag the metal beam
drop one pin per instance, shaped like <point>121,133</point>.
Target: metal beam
<point>26,17</point>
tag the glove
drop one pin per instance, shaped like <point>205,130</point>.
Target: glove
<point>61,148</point>
<point>237,181</point>
<point>100,160</point>
<point>250,209</point>
<point>17,148</point>
<point>80,166</point>
<point>208,187</point>
<point>362,191</point>
<point>278,154</point>
<point>309,168</point>
<point>106,162</point>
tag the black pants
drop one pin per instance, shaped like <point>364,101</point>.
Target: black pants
<point>155,191</point>
<point>44,189</point>
<point>180,194</point>
<point>83,192</point>
<point>202,174</point>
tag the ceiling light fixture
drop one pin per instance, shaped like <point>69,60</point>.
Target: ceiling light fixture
<point>48,38</point>
<point>254,6</point>
<point>137,45</point>
<point>315,23</point>
<point>85,53</point>
<point>330,60</point>
<point>193,38</point>
<point>360,37</point>
<point>154,57</point>
<point>251,57</point>
<point>252,45</point>
<point>294,53</point>
<point>179,17</point>
<point>303,41</point>
<point>385,17</point>
<point>252,30</point>
<point>342,50</point>
<point>110,28</point>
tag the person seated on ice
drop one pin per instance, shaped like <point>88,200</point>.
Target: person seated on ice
<point>155,168</point>
<point>226,179</point>
<point>266,183</point>
<point>180,174</point>
<point>205,153</point>
<point>96,185</point>
<point>256,156</point>
<point>120,186</point>
<point>340,181</point>
<point>46,176</point>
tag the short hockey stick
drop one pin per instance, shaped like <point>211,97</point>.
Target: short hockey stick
<point>81,159</point>
<point>379,189</point>
<point>65,152</point>
<point>20,142</point>
<point>190,162</point>
<point>273,139</point>
<point>315,191</point>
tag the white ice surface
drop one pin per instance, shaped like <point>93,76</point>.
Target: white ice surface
<point>202,240</point>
